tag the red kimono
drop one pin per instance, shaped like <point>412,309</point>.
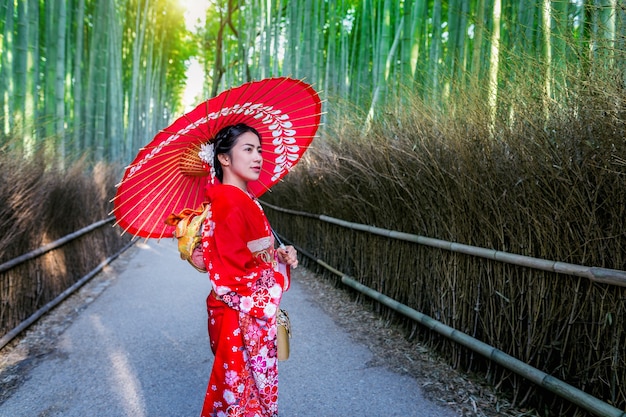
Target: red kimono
<point>238,248</point>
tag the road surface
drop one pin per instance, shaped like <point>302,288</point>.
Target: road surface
<point>140,349</point>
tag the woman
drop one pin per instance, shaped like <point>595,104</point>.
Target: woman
<point>239,255</point>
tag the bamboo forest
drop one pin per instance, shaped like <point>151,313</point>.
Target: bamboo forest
<point>499,124</point>
<point>100,76</point>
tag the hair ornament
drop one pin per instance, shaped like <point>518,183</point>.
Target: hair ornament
<point>207,155</point>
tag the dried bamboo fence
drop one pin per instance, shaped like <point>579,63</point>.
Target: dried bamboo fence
<point>561,319</point>
<point>54,215</point>
<point>60,267</point>
<point>7,266</point>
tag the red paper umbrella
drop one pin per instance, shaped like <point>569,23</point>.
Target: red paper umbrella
<point>168,176</point>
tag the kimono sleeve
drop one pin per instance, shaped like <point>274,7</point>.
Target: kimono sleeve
<point>242,281</point>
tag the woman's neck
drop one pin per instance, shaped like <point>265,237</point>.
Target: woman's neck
<point>245,189</point>
<point>242,185</point>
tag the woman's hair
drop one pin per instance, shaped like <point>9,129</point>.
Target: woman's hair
<point>224,142</point>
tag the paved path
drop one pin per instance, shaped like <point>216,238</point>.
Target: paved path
<point>141,350</point>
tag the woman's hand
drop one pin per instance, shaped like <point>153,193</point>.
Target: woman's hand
<point>288,256</point>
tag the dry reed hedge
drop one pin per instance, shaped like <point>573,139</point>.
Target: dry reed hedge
<point>554,190</point>
<point>39,206</point>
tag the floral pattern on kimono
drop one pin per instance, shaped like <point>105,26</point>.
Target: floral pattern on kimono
<point>238,250</point>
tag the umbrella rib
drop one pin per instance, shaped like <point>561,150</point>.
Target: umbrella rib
<point>151,214</point>
<point>162,173</point>
<point>146,185</point>
<point>163,187</point>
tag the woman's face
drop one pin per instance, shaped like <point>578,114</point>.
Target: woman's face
<point>244,162</point>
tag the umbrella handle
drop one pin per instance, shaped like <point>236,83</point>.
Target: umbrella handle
<point>280,242</point>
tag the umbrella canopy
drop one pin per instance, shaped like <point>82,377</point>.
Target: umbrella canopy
<point>168,176</point>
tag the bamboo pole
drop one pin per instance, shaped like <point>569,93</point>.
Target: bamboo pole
<point>596,274</point>
<point>53,245</point>
<point>58,299</point>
